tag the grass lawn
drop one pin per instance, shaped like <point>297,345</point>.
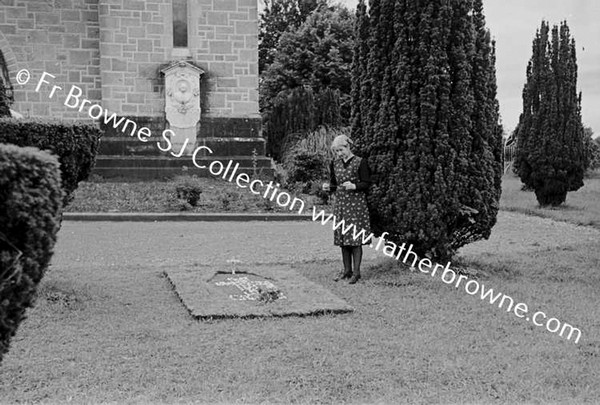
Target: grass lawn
<point>582,206</point>
<point>160,196</point>
<point>109,329</point>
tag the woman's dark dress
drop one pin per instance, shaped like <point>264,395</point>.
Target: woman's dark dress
<point>350,205</point>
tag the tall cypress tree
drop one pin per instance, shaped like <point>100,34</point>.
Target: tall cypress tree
<point>432,134</point>
<point>550,144</point>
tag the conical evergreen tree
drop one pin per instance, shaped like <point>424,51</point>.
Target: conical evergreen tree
<point>550,145</point>
<point>431,133</point>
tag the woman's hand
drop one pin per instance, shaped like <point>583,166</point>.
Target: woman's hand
<point>349,185</point>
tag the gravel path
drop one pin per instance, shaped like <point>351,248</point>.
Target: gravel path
<point>172,243</point>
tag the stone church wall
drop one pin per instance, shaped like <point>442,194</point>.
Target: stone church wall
<point>114,50</point>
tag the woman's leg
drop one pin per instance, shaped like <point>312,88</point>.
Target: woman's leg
<point>347,260</point>
<point>357,252</point>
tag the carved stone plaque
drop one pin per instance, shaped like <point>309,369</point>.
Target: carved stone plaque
<point>182,103</point>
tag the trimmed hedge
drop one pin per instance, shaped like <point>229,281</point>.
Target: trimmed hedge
<point>30,207</point>
<point>74,143</point>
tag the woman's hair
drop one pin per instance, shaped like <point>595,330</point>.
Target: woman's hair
<point>341,140</point>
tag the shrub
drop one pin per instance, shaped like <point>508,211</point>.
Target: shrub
<point>305,166</point>
<point>30,205</point>
<point>227,199</point>
<point>315,141</point>
<point>307,159</point>
<point>188,189</point>
<point>75,144</point>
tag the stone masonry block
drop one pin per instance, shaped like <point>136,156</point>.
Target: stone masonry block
<point>217,100</point>
<point>118,65</point>
<point>93,31</point>
<point>129,108</point>
<point>243,108</point>
<point>94,94</point>
<point>91,44</point>
<point>238,16</point>
<point>74,77</point>
<point>130,22</point>
<point>112,78</point>
<point>221,68</point>
<point>65,4</point>
<point>42,19</point>
<point>79,57</point>
<point>220,47</point>
<point>228,5</point>
<point>144,45</point>
<point>246,27</point>
<point>35,6</point>
<point>8,29</point>
<point>227,82</point>
<point>71,41</point>
<point>16,12</point>
<point>110,49</point>
<point>155,29</point>
<point>140,57</point>
<point>106,36</point>
<point>89,16</point>
<point>224,30</point>
<point>107,22</point>
<point>135,5</point>
<point>136,98</point>
<point>248,55</point>
<point>249,82</point>
<point>217,18</point>
<point>253,95</point>
<point>252,41</point>
<point>136,32</point>
<point>25,24</point>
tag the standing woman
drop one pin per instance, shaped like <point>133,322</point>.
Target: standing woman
<point>349,179</point>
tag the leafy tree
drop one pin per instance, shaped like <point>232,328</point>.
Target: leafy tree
<point>277,17</point>
<point>427,118</point>
<point>592,148</point>
<point>551,158</point>
<point>313,62</point>
<point>318,54</point>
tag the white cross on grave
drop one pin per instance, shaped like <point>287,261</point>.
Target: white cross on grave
<point>248,287</point>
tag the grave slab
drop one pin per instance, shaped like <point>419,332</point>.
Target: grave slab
<point>251,291</point>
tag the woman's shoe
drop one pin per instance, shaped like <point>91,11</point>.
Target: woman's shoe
<point>342,275</point>
<point>354,279</point>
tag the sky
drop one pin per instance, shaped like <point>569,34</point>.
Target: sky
<point>513,24</point>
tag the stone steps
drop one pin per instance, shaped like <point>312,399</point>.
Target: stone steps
<point>220,146</point>
<point>162,167</point>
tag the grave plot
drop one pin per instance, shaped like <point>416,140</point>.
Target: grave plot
<point>251,291</point>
